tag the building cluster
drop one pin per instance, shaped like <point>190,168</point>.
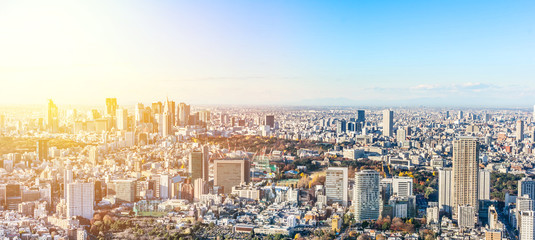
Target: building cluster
<point>158,162</point>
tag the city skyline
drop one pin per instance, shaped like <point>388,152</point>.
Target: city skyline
<point>274,53</point>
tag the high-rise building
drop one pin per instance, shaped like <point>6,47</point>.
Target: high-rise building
<point>198,164</point>
<point>527,225</point>
<point>125,190</point>
<point>336,185</point>
<point>80,198</point>
<point>122,119</point>
<point>183,114</point>
<point>93,155</point>
<point>523,203</point>
<point>388,123</point>
<point>204,117</point>
<point>520,130</point>
<point>402,186</point>
<point>42,150</point>
<point>67,178</point>
<point>230,173</point>
<point>401,136</point>
<point>493,234</point>
<point>164,186</point>
<point>461,115</point>
<point>139,113</point>
<point>13,196</point>
<point>157,108</point>
<point>111,106</point>
<point>361,116</point>
<point>270,121</point>
<point>200,187</point>
<point>526,186</point>
<point>467,216</point>
<point>52,117</point>
<point>167,122</point>
<point>445,189</point>
<point>465,173</point>
<point>493,220</point>
<point>341,126</point>
<point>366,195</point>
<point>484,185</point>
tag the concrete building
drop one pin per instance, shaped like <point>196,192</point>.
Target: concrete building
<point>388,123</point>
<point>336,185</point>
<point>484,185</point>
<point>467,216</point>
<point>526,186</point>
<point>125,190</point>
<point>230,173</point>
<point>527,225</point>
<point>366,196</point>
<point>465,173</point>
<point>80,199</point>
<point>520,130</point>
<point>402,186</point>
<point>445,189</point>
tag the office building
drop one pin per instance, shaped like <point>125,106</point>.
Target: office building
<point>270,121</point>
<point>520,130</point>
<point>527,225</point>
<point>366,197</point>
<point>230,173</point>
<point>465,173</point>
<point>361,116</point>
<point>388,123</point>
<point>93,155</point>
<point>52,117</point>
<point>183,114</point>
<point>467,216</point>
<point>432,213</point>
<point>402,186</point>
<point>336,185</point>
<point>122,119</point>
<point>198,165</point>
<point>13,196</point>
<point>341,126</point>
<point>445,189</point>
<point>42,150</point>
<point>526,186</point>
<point>125,190</point>
<point>111,106</point>
<point>67,178</point>
<point>80,198</point>
<point>484,185</point>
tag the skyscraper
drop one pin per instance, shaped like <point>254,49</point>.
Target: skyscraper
<point>526,186</point>
<point>42,150</point>
<point>388,123</point>
<point>270,121</point>
<point>445,189</point>
<point>336,185</point>
<point>230,173</point>
<point>341,126</point>
<point>122,119</point>
<point>111,106</point>
<point>520,130</point>
<point>183,114</point>
<point>527,229</point>
<point>361,116</point>
<point>198,164</point>
<point>465,173</point>
<point>484,185</point>
<point>366,198</point>
<point>79,199</point>
<point>52,117</point>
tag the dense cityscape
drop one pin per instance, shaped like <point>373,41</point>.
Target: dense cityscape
<point>170,170</point>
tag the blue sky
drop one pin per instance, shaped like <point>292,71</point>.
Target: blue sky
<point>269,52</point>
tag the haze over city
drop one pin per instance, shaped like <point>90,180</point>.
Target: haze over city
<point>439,53</point>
